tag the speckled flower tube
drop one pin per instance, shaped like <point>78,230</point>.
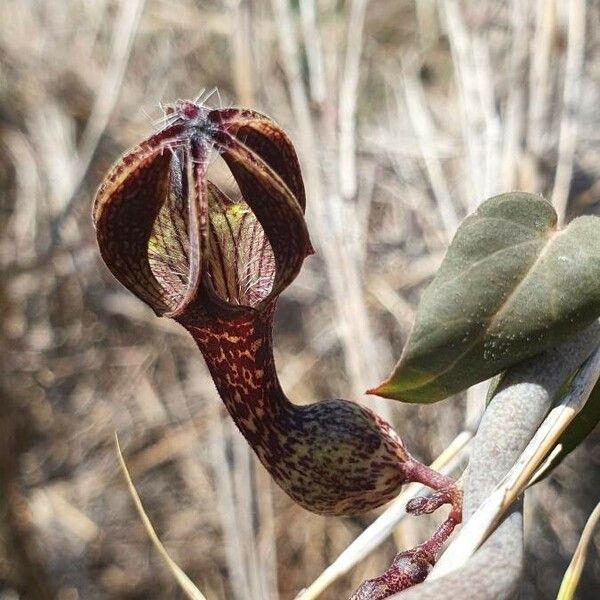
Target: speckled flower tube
<point>217,266</point>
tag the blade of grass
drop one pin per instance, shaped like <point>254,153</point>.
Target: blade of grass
<point>573,572</point>
<point>190,590</point>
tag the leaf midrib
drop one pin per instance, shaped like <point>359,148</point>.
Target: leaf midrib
<point>495,253</point>
<point>493,318</point>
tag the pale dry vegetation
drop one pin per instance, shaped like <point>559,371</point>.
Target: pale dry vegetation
<point>405,118</point>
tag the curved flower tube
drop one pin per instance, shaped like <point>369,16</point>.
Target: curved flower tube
<point>217,266</point>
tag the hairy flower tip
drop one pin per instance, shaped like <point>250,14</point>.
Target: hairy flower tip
<point>177,241</point>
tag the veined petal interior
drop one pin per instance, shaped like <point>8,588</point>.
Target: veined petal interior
<point>169,242</point>
<point>241,264</point>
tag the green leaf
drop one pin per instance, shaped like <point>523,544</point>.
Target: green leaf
<point>511,285</point>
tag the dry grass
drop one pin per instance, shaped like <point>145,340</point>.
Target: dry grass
<point>442,105</point>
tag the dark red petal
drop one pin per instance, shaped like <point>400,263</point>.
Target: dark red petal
<point>265,166</point>
<point>143,198</point>
<point>273,145</point>
<point>196,166</point>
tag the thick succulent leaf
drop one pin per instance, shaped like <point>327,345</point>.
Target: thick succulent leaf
<point>510,286</point>
<point>578,430</point>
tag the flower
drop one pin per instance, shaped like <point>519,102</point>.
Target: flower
<point>217,266</point>
<point>177,241</point>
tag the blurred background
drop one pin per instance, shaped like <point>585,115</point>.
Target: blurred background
<point>406,115</point>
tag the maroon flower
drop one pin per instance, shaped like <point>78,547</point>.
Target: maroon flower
<point>175,240</point>
<point>217,265</point>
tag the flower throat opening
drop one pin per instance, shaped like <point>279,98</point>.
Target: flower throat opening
<point>239,264</point>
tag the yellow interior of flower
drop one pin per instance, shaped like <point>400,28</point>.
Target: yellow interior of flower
<point>240,264</point>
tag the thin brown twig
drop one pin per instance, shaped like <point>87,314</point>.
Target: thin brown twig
<point>571,99</point>
<point>348,179</point>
